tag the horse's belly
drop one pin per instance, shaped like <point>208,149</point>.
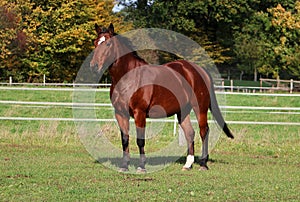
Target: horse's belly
<point>164,106</point>
<point>158,111</point>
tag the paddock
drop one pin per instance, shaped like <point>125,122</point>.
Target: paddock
<point>43,158</point>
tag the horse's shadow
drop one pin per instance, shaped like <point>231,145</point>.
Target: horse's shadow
<point>154,160</point>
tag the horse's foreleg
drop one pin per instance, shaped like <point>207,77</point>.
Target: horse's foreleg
<point>140,122</point>
<point>123,123</point>
<point>189,133</point>
<point>126,155</point>
<point>141,144</point>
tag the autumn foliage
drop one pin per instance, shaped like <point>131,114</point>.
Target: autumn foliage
<point>50,37</point>
<point>249,38</point>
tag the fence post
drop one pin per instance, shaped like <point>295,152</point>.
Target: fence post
<point>44,80</point>
<point>10,80</point>
<point>291,86</point>
<point>175,124</point>
<point>231,85</point>
<point>278,82</point>
<point>260,81</point>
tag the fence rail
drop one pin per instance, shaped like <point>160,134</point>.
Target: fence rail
<point>150,120</point>
<point>290,110</point>
<point>75,104</point>
<point>288,85</point>
<point>106,89</point>
<point>276,85</point>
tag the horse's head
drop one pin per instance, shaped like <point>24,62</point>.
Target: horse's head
<point>104,54</point>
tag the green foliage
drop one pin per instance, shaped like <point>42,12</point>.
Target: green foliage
<point>191,18</point>
<point>257,37</point>
<point>51,38</point>
<point>270,42</point>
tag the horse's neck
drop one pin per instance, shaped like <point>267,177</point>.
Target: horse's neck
<point>123,65</point>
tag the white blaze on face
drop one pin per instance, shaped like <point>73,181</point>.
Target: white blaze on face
<point>101,40</point>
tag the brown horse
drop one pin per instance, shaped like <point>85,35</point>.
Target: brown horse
<point>141,90</point>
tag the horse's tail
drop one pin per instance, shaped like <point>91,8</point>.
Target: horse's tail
<point>216,112</point>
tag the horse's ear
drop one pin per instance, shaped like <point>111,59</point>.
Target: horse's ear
<point>111,29</point>
<point>97,28</point>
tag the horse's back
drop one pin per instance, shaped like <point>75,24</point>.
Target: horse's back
<point>195,75</point>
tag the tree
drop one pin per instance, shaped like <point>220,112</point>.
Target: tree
<point>51,38</point>
<point>286,24</point>
<point>13,40</point>
<point>191,18</point>
<point>235,33</point>
<point>269,42</point>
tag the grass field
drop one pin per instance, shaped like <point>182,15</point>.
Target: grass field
<point>46,161</point>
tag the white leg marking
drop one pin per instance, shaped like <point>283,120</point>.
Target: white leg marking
<point>189,161</point>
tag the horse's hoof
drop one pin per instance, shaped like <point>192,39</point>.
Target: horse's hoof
<point>186,169</point>
<point>123,170</point>
<point>141,170</point>
<point>203,168</point>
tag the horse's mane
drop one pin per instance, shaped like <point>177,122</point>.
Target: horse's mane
<point>128,44</point>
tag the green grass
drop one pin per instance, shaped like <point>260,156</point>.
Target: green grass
<point>239,170</point>
<point>46,161</point>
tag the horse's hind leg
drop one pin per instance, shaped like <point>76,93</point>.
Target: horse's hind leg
<point>189,132</point>
<point>204,133</point>
<point>123,123</point>
<point>204,156</point>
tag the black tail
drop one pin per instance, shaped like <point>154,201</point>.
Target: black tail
<point>216,112</point>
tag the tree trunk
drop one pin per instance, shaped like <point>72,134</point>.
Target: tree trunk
<point>255,74</point>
